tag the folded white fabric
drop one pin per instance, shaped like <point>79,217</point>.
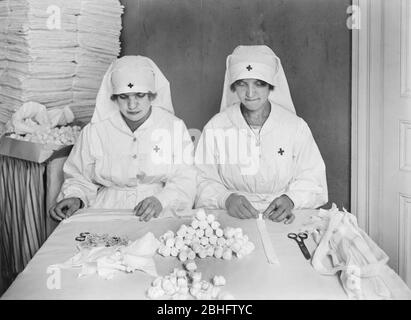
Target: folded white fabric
<point>362,265</point>
<point>108,261</point>
<point>55,65</point>
<point>94,215</point>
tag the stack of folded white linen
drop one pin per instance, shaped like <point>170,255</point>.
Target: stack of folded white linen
<point>3,30</point>
<point>4,12</point>
<point>49,46</point>
<point>39,54</point>
<point>3,45</point>
<point>99,27</point>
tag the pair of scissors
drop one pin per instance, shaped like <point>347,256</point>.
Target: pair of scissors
<point>82,236</point>
<point>299,238</point>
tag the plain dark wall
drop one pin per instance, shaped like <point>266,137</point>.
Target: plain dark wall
<point>190,40</point>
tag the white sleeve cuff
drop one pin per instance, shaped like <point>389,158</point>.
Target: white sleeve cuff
<point>164,199</point>
<point>73,194</point>
<point>294,198</point>
<point>223,198</point>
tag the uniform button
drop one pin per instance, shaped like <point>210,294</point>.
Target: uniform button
<point>134,139</point>
<point>134,156</point>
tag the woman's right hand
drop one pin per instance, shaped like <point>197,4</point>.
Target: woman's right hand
<point>239,207</point>
<point>65,208</point>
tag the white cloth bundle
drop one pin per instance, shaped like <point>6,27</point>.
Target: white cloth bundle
<point>107,261</point>
<point>362,264</point>
<point>33,117</point>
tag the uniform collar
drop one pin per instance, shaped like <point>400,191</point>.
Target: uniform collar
<point>117,120</point>
<point>237,118</point>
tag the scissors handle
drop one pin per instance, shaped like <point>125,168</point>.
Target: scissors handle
<point>299,238</point>
<point>302,235</point>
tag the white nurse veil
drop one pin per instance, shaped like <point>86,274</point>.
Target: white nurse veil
<point>256,62</point>
<point>105,107</point>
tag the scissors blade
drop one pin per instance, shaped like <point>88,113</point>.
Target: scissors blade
<point>304,250</point>
<point>267,244</point>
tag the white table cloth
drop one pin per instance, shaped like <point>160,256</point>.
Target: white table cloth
<point>248,278</point>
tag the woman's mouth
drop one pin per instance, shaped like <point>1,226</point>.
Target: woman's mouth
<point>133,112</point>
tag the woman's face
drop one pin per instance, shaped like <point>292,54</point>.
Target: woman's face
<point>134,106</point>
<point>253,93</point>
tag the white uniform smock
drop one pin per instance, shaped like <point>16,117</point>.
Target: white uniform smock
<point>289,162</point>
<point>112,167</point>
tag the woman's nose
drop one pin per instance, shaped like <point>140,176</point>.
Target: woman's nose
<point>250,91</point>
<point>132,102</point>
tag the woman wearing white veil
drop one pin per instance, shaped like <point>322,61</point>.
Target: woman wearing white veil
<point>257,155</point>
<point>130,156</point>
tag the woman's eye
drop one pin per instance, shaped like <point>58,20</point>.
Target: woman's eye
<point>141,95</point>
<point>122,97</point>
<point>260,84</point>
<point>241,84</point>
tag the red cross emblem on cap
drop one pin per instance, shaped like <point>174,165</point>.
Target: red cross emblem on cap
<point>249,68</point>
<point>130,85</point>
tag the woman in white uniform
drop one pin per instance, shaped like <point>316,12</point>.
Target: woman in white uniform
<point>130,155</point>
<point>256,155</point>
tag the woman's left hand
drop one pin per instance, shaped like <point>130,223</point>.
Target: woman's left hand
<point>148,208</point>
<point>280,209</point>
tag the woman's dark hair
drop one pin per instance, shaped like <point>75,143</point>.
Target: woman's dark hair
<point>234,84</point>
<point>151,96</point>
